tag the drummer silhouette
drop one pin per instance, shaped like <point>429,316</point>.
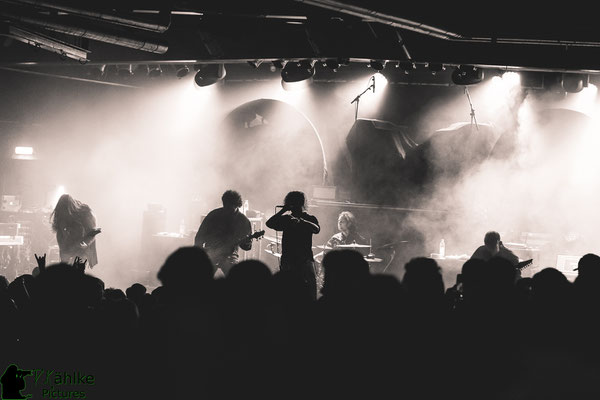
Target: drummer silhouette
<point>348,232</point>
<point>348,238</point>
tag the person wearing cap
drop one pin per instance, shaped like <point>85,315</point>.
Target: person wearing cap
<point>588,267</point>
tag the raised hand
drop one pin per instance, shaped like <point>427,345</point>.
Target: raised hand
<point>79,264</point>
<point>41,261</point>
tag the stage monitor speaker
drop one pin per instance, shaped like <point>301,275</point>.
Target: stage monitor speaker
<point>378,151</point>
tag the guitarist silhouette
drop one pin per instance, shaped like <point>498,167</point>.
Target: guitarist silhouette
<point>223,230</point>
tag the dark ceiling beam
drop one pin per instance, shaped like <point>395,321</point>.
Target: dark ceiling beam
<point>68,26</point>
<point>220,39</point>
<point>428,30</point>
<point>375,16</point>
<point>39,40</point>
<point>160,26</point>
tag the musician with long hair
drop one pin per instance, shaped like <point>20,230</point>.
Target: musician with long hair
<point>298,227</point>
<point>75,228</point>
<point>348,231</point>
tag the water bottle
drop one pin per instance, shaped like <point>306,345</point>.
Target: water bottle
<point>442,248</point>
<point>245,207</point>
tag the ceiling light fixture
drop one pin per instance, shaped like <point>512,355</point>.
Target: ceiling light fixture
<point>335,63</point>
<point>279,64</point>
<point>125,71</point>
<point>435,67</point>
<point>407,66</point>
<point>574,83</point>
<point>209,74</point>
<point>377,65</point>
<point>182,71</point>
<point>154,71</point>
<point>467,75</point>
<point>255,63</point>
<point>297,75</point>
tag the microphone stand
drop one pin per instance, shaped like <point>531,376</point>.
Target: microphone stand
<point>357,98</point>
<point>473,119</point>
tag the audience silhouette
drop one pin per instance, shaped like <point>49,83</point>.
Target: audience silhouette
<point>258,334</point>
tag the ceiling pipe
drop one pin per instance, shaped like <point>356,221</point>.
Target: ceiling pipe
<point>53,25</point>
<point>386,19</point>
<point>72,78</point>
<point>44,42</point>
<point>158,26</point>
<point>402,23</point>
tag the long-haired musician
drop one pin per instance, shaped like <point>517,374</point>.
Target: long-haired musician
<point>75,227</point>
<point>296,244</point>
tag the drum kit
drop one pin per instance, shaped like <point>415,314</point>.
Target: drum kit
<point>274,248</point>
<point>361,248</point>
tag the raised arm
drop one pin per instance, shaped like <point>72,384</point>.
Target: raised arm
<point>312,223</point>
<point>278,220</point>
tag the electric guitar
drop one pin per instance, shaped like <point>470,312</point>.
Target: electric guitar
<point>524,264</point>
<point>219,252</point>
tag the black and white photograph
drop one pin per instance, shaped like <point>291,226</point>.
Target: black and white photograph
<point>299,199</point>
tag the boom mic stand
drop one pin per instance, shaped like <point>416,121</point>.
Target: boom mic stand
<point>473,119</point>
<point>357,98</point>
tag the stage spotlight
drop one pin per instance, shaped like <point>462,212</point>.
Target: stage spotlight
<point>154,71</point>
<point>467,75</point>
<point>377,65</point>
<point>279,64</point>
<point>379,82</point>
<point>335,63</point>
<point>96,71</point>
<point>332,63</point>
<point>209,74</point>
<point>255,63</point>
<point>298,75</point>
<point>125,71</point>
<point>407,66</point>
<point>553,82</point>
<point>574,83</point>
<point>436,67</point>
<point>182,71</point>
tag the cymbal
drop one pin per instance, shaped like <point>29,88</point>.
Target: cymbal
<point>353,246</point>
<point>391,245</point>
<point>278,255</point>
<point>272,239</point>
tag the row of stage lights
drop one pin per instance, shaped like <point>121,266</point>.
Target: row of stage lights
<point>299,73</point>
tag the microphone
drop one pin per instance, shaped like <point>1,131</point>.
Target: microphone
<point>279,206</point>
<point>373,85</point>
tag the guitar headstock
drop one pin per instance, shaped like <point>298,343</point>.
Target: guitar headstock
<point>524,264</point>
<point>257,234</point>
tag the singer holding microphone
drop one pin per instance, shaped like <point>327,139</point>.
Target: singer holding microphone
<point>296,244</point>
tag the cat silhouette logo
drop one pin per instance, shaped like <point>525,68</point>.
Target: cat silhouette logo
<point>12,382</point>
